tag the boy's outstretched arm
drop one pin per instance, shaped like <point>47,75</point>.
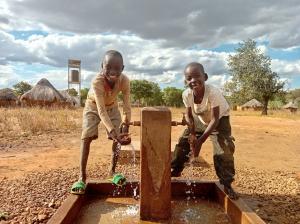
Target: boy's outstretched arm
<point>191,127</point>
<point>190,120</point>
<point>210,128</point>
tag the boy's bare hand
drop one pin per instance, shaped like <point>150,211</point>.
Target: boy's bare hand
<point>124,138</point>
<point>113,134</point>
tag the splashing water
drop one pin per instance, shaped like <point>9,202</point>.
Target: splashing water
<point>118,148</point>
<point>133,154</point>
<point>135,195</point>
<point>126,210</point>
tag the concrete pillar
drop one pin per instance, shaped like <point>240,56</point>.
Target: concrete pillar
<point>155,184</point>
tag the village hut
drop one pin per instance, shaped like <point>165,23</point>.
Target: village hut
<point>292,107</point>
<point>43,94</point>
<point>252,105</point>
<point>8,98</point>
<point>72,100</point>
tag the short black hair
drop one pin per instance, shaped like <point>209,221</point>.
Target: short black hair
<point>200,66</point>
<point>113,53</point>
<point>195,64</point>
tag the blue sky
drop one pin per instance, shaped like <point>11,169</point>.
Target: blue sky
<point>37,38</point>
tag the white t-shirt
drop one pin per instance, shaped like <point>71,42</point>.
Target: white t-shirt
<point>212,98</point>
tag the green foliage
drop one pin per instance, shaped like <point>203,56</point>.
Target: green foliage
<point>145,93</point>
<point>156,98</point>
<point>83,93</point>
<point>172,97</point>
<point>275,104</point>
<point>21,88</point>
<point>252,76</point>
<point>72,92</point>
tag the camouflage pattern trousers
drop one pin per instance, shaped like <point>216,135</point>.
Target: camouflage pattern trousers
<point>223,149</point>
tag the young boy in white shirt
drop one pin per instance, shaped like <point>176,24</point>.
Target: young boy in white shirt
<point>207,103</point>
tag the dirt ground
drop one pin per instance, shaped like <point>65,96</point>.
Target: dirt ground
<point>264,145</point>
<point>270,144</point>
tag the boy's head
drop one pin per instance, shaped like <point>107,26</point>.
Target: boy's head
<point>112,65</point>
<point>195,75</point>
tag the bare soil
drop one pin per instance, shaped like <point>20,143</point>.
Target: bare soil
<point>37,171</point>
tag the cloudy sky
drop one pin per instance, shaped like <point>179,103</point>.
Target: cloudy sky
<point>157,38</point>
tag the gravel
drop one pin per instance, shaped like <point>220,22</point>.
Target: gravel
<point>274,196</point>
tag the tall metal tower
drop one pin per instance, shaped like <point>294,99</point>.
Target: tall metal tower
<point>74,75</point>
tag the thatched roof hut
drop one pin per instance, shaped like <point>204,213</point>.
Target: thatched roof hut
<point>73,100</point>
<point>8,98</point>
<point>253,104</point>
<point>297,100</point>
<point>43,94</point>
<point>291,107</point>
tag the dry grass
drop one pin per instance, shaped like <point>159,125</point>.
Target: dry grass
<point>31,121</point>
<point>28,121</point>
<point>271,113</point>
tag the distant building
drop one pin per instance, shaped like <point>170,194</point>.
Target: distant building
<point>74,101</point>
<point>292,107</point>
<point>252,105</point>
<point>8,98</point>
<point>43,94</point>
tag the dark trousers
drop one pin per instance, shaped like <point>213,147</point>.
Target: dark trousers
<point>223,151</point>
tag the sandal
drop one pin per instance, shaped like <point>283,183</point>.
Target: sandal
<point>118,179</point>
<point>78,188</point>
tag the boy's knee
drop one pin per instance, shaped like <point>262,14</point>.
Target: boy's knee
<point>223,145</point>
<point>87,140</point>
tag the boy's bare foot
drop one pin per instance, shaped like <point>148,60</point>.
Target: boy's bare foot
<point>230,192</point>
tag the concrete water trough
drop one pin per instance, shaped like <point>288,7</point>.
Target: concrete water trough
<point>192,202</point>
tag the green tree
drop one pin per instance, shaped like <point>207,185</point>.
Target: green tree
<point>83,93</point>
<point>252,76</point>
<point>156,97</point>
<point>72,92</point>
<point>21,88</point>
<point>173,97</point>
<point>142,91</point>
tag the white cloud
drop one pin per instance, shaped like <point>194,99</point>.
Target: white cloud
<point>217,80</point>
<point>143,58</point>
<point>152,39</point>
<point>7,76</point>
<point>286,68</point>
<point>207,23</point>
<point>263,49</point>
